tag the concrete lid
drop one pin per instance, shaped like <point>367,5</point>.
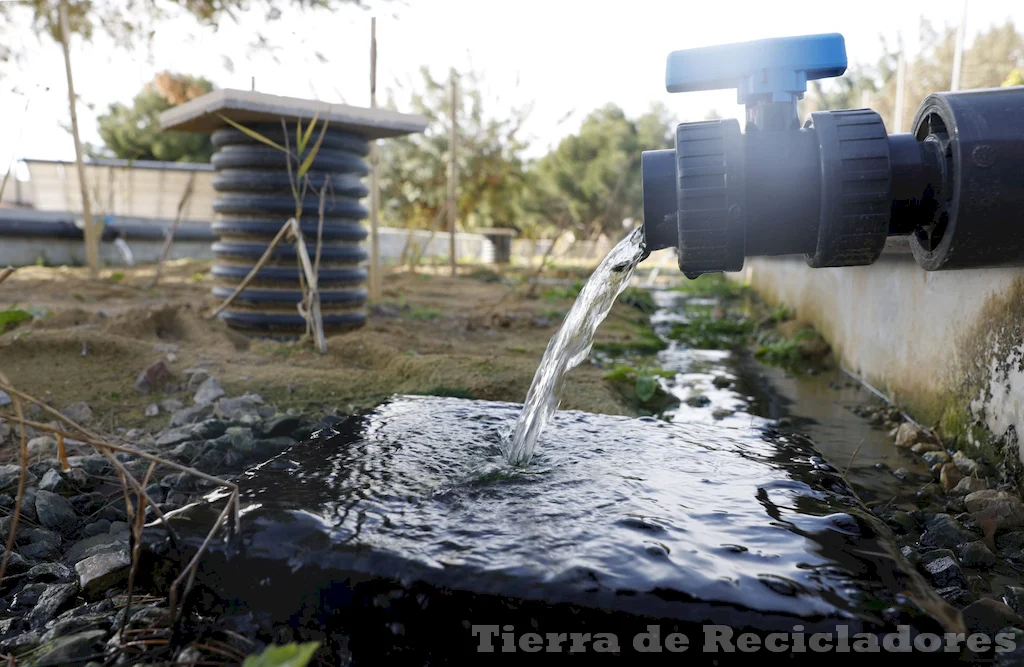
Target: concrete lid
<point>244,107</point>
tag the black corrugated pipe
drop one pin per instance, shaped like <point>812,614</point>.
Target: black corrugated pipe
<point>255,199</point>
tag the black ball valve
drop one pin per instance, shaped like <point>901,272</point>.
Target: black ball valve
<point>835,188</point>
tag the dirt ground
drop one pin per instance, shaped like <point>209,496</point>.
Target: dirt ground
<point>473,335</point>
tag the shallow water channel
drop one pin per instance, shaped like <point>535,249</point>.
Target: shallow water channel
<point>403,531</point>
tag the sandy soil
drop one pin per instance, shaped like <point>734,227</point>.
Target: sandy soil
<point>433,334</point>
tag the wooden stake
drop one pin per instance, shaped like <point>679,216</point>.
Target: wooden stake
<point>374,184</point>
<point>453,177</point>
<point>92,245</point>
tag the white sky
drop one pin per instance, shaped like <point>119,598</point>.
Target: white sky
<point>567,55</point>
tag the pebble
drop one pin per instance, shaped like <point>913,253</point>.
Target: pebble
<point>153,377</point>
<point>208,392</point>
<point>114,540</point>
<point>152,410</point>
<point>1013,596</point>
<point>276,426</point>
<point>955,596</point>
<point>43,445</point>
<point>907,435</point>
<point>933,458</point>
<point>56,512</point>
<point>698,401</point>
<point>944,572</point>
<point>977,555</point>
<point>98,573</point>
<point>243,409</point>
<point>197,377</point>
<point>949,476</point>
<point>969,485</point>
<point>88,503</point>
<point>1004,509</point>
<point>171,405</point>
<point>53,600</point>
<point>49,572</point>
<point>943,530</point>
<point>9,474</point>
<point>966,465</point>
<point>189,415</point>
<point>72,649</point>
<point>924,447</point>
<point>53,482</point>
<point>989,616</point>
<point>79,412</point>
<point>903,521</point>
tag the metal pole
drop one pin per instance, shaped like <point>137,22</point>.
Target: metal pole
<point>958,52</point>
<point>374,184</point>
<point>901,75</point>
<point>453,176</point>
<point>92,246</point>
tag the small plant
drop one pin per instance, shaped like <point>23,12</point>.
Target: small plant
<point>712,285</point>
<point>640,387</point>
<point>12,317</point>
<point>568,292</point>
<point>705,332</point>
<point>640,299</point>
<point>287,655</point>
<point>426,314</point>
<point>117,276</point>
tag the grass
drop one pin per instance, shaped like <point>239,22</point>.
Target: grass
<point>647,342</point>
<point>704,332</point>
<point>713,285</point>
<point>790,353</point>
<point>640,299</point>
<point>426,314</point>
<point>567,292</point>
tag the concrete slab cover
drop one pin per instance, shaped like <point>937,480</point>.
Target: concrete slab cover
<point>203,114</point>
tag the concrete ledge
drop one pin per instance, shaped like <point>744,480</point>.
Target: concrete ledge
<point>939,343</point>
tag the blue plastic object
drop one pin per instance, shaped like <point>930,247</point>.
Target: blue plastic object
<point>766,70</point>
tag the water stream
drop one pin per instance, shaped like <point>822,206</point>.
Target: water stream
<point>571,345</point>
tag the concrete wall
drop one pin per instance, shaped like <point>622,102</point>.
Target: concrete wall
<point>944,344</point>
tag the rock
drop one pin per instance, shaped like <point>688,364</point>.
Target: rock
<point>977,555</point>
<point>28,505</point>
<point>936,457</point>
<point>22,643</point>
<point>155,376</point>
<point>115,540</point>
<point>53,482</point>
<point>721,413</point>
<point>70,623</point>
<point>208,392</point>
<point>87,504</point>
<point>943,530</point>
<point>1002,509</point>
<point>48,572</point>
<point>936,554</point>
<point>98,573</point>
<point>98,527</point>
<point>196,378</point>
<point>28,597</point>
<point>966,465</point>
<point>42,446</point>
<point>907,435</point>
<point>270,447</point>
<point>955,596</point>
<point>16,564</point>
<point>911,555</point>
<point>5,399</point>
<point>55,512</point>
<point>1014,597</point>
<point>923,447</point>
<point>190,415</point>
<point>244,409</point>
<point>944,572</point>
<point>949,476</point>
<point>72,649</point>
<point>152,410</point>
<point>989,616</point>
<point>969,485</point>
<point>9,474</point>
<point>698,401</point>
<point>171,405</point>
<point>903,521</point>
<point>79,413</point>
<point>95,464</point>
<point>54,600</point>
<point>721,382</point>
<point>39,543</point>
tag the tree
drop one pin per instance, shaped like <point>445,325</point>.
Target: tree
<point>133,132</point>
<point>413,170</point>
<point>591,181</point>
<point>987,63</point>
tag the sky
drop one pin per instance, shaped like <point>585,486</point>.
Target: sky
<point>565,57</point>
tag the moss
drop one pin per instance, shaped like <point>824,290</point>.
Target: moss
<point>641,389</point>
<point>645,342</point>
<point>703,331</point>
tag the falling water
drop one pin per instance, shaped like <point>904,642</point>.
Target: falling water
<point>572,344</point>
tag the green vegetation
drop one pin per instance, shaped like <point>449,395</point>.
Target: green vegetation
<point>704,331</point>
<point>713,285</point>
<point>640,387</point>
<point>426,314</point>
<point>793,352</point>
<point>567,292</point>
<point>441,390</point>
<point>646,342</point>
<point>12,317</point>
<point>287,655</point>
<point>640,299</point>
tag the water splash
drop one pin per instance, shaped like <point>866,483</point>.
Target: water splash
<point>572,344</point>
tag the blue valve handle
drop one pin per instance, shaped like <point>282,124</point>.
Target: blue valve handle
<point>766,70</point>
